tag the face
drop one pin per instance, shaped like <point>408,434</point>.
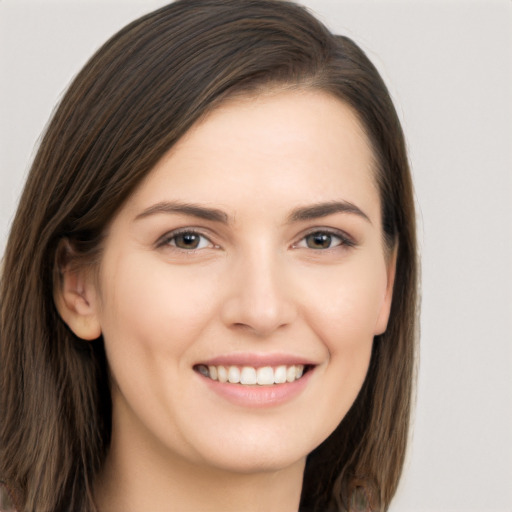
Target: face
<point>252,251</point>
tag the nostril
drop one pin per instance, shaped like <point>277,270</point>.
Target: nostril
<point>258,328</point>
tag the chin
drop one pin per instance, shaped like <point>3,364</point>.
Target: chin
<point>259,450</point>
<point>247,462</point>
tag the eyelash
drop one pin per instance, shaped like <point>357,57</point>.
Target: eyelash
<point>344,240</point>
<point>167,239</point>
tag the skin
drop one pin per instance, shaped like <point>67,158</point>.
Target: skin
<point>256,284</point>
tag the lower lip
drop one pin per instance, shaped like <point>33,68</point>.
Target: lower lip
<point>258,396</point>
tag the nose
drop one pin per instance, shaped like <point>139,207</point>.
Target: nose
<point>260,298</point>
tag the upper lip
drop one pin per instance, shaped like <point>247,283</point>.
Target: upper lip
<point>257,360</point>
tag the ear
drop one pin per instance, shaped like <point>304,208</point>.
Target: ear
<point>75,295</point>
<point>382,320</point>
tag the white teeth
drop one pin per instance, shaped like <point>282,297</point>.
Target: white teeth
<point>280,375</point>
<point>265,376</point>
<point>213,372</point>
<point>249,376</point>
<point>234,374</point>
<point>222,374</point>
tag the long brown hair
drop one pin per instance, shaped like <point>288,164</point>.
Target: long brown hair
<point>131,102</point>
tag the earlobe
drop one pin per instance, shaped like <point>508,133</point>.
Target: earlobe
<point>76,299</point>
<point>382,321</point>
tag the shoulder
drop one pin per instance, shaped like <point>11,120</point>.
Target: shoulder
<point>6,499</point>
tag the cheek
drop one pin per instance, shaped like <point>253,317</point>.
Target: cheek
<point>343,315</point>
<point>152,315</point>
<point>345,311</point>
<point>153,310</point>
<point>343,319</point>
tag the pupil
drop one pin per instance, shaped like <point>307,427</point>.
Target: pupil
<point>188,241</point>
<point>319,241</point>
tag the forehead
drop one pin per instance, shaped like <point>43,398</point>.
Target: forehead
<point>281,144</point>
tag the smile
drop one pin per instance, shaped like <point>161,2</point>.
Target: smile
<point>251,376</point>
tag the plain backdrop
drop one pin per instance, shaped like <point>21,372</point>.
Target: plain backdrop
<point>448,65</point>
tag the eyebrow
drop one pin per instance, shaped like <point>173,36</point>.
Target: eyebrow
<point>319,210</point>
<point>304,213</point>
<point>193,210</point>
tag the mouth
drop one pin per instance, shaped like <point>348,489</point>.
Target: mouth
<point>253,376</point>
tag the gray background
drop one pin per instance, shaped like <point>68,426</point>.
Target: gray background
<point>449,67</point>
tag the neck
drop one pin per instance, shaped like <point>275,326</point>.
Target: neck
<point>138,478</point>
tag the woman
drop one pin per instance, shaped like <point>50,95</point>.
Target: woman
<point>209,290</point>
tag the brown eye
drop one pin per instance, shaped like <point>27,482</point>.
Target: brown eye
<point>321,240</point>
<point>189,240</point>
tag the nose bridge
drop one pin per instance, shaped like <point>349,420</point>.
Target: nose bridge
<point>261,297</point>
